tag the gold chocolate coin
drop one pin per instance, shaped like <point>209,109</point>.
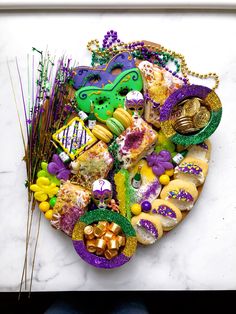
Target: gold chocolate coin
<point>191,107</point>
<point>182,124</point>
<point>201,118</point>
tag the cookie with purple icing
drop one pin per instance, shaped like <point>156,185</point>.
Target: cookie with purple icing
<point>181,193</point>
<point>148,228</point>
<point>167,213</point>
<point>191,170</point>
<point>102,75</point>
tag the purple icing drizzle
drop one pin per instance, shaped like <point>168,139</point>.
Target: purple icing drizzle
<point>149,226</point>
<point>97,261</point>
<point>180,195</point>
<point>166,211</point>
<point>189,168</point>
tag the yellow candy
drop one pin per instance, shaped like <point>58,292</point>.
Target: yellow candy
<point>43,189</point>
<point>136,209</point>
<point>164,179</point>
<point>169,172</point>
<point>44,206</point>
<point>48,214</point>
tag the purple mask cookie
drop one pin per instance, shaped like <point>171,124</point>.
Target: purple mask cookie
<point>100,76</point>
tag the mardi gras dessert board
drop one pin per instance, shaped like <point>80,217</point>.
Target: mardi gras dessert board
<point>117,152</point>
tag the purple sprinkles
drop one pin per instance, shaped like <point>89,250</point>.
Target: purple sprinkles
<point>165,211</point>
<point>190,168</point>
<point>180,195</point>
<point>149,226</point>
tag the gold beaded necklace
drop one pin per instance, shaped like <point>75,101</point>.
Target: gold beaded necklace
<point>121,47</point>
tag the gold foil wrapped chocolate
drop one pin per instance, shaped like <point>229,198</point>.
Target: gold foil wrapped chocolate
<point>89,232</point>
<point>194,117</point>
<point>114,228</point>
<point>104,239</point>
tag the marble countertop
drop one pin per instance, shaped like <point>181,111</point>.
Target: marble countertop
<point>200,253</point>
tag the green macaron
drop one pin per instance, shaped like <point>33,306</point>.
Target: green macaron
<point>115,126</point>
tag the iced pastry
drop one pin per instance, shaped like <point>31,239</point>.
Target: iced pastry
<point>181,193</point>
<point>168,213</point>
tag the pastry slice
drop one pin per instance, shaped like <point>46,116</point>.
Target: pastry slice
<point>200,151</point>
<point>191,170</point>
<point>167,213</point>
<point>148,228</point>
<point>181,193</point>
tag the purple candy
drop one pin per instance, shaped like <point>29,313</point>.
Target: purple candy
<point>160,162</point>
<point>57,168</point>
<point>146,206</point>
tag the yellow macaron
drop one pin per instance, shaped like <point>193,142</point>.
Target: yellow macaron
<point>123,117</point>
<point>102,133</point>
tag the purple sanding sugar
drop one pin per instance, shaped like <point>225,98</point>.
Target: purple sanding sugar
<point>189,168</point>
<point>166,211</point>
<point>180,195</point>
<point>187,91</point>
<point>149,226</point>
<point>98,261</point>
<point>152,189</point>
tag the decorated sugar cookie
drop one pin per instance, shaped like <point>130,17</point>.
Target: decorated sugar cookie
<point>167,212</point>
<point>148,228</point>
<point>181,193</point>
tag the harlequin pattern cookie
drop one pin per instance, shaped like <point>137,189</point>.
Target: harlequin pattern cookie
<point>148,228</point>
<point>168,213</point>
<point>180,193</point>
<point>191,170</point>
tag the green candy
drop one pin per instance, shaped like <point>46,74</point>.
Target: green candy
<point>111,96</point>
<point>52,201</point>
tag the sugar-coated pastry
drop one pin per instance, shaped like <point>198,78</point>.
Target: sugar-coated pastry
<point>93,164</point>
<point>200,151</point>
<point>181,193</point>
<point>148,228</point>
<point>191,170</point>
<point>168,213</point>
<point>135,142</point>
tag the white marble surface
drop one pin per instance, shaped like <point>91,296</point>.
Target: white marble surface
<point>200,253</point>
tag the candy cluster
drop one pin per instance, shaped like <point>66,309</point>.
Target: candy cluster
<point>104,239</point>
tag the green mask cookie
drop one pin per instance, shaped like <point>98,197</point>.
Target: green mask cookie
<point>111,96</point>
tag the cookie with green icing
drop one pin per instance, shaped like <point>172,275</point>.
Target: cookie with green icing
<point>111,96</point>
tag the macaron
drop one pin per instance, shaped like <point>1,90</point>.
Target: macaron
<point>115,126</point>
<point>168,213</point>
<point>123,117</point>
<point>102,133</point>
<point>148,228</point>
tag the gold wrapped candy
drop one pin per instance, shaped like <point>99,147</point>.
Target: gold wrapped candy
<point>104,239</point>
